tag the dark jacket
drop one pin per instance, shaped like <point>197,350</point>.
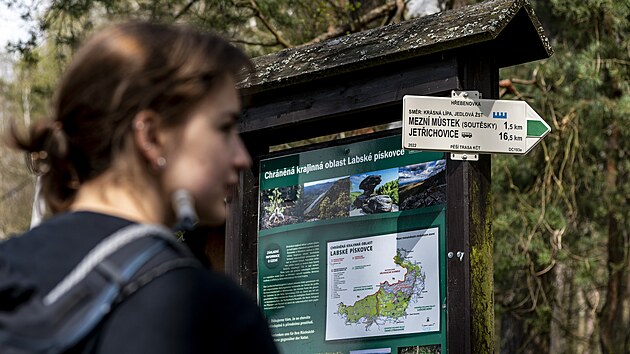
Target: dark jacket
<point>186,310</point>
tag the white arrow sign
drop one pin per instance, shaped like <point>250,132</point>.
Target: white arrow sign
<point>467,124</point>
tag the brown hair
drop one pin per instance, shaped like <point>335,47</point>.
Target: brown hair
<point>119,72</point>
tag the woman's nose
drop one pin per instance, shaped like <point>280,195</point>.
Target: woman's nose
<point>242,160</point>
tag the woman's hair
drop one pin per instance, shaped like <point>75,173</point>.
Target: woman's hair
<point>119,72</point>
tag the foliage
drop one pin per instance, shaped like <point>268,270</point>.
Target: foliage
<point>16,189</point>
<point>260,26</point>
<point>325,209</point>
<point>391,189</point>
<point>335,209</point>
<point>559,208</point>
<point>431,349</point>
<point>353,196</point>
<point>275,204</point>
<point>25,89</point>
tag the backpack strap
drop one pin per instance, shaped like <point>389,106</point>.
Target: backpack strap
<point>107,247</point>
<point>105,276</point>
<point>146,277</point>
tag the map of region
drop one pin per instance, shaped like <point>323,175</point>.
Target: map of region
<point>390,302</point>
<point>383,285</point>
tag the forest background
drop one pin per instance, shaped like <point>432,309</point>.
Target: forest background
<point>561,214</point>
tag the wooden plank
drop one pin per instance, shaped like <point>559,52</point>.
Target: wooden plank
<point>241,234</point>
<point>331,98</point>
<point>249,236</point>
<point>330,125</point>
<point>233,232</point>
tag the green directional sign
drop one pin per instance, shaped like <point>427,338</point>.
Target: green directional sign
<point>465,123</point>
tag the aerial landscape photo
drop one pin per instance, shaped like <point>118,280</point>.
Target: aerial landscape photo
<point>327,199</point>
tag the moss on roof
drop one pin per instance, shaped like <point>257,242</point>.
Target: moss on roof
<point>509,23</point>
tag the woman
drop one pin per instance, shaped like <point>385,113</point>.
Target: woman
<point>143,111</point>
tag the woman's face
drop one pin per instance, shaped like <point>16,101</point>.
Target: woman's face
<point>205,155</point>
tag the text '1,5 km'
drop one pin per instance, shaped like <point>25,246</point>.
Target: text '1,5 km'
<point>468,124</point>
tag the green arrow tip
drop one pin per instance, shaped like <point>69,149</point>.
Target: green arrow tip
<point>536,128</point>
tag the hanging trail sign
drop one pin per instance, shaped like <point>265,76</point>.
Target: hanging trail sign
<point>465,123</point>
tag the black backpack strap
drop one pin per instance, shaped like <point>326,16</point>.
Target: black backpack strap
<point>111,244</point>
<point>148,276</point>
<point>79,302</point>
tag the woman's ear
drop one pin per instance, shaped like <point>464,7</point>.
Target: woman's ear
<point>146,137</point>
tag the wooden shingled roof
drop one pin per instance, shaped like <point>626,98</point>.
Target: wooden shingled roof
<point>509,26</point>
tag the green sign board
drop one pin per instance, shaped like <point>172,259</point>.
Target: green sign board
<point>351,249</point>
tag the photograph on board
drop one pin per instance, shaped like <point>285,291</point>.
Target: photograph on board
<point>422,185</point>
<point>280,206</point>
<point>326,199</point>
<point>374,192</point>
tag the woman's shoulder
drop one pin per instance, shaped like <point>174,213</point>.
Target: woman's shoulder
<point>208,309</point>
<point>49,251</point>
<point>206,286</point>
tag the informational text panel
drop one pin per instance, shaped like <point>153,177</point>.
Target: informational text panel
<point>351,249</point>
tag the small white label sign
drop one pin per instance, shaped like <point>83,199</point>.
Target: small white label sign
<point>463,124</point>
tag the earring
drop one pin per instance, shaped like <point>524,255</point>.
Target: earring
<point>160,162</point>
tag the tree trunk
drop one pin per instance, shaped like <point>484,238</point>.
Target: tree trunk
<point>26,105</point>
<point>615,315</point>
<point>561,309</point>
<point>512,334</point>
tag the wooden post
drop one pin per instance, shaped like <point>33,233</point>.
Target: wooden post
<point>241,227</point>
<point>469,219</point>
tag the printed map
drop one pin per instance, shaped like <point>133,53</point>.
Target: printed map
<point>383,285</point>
